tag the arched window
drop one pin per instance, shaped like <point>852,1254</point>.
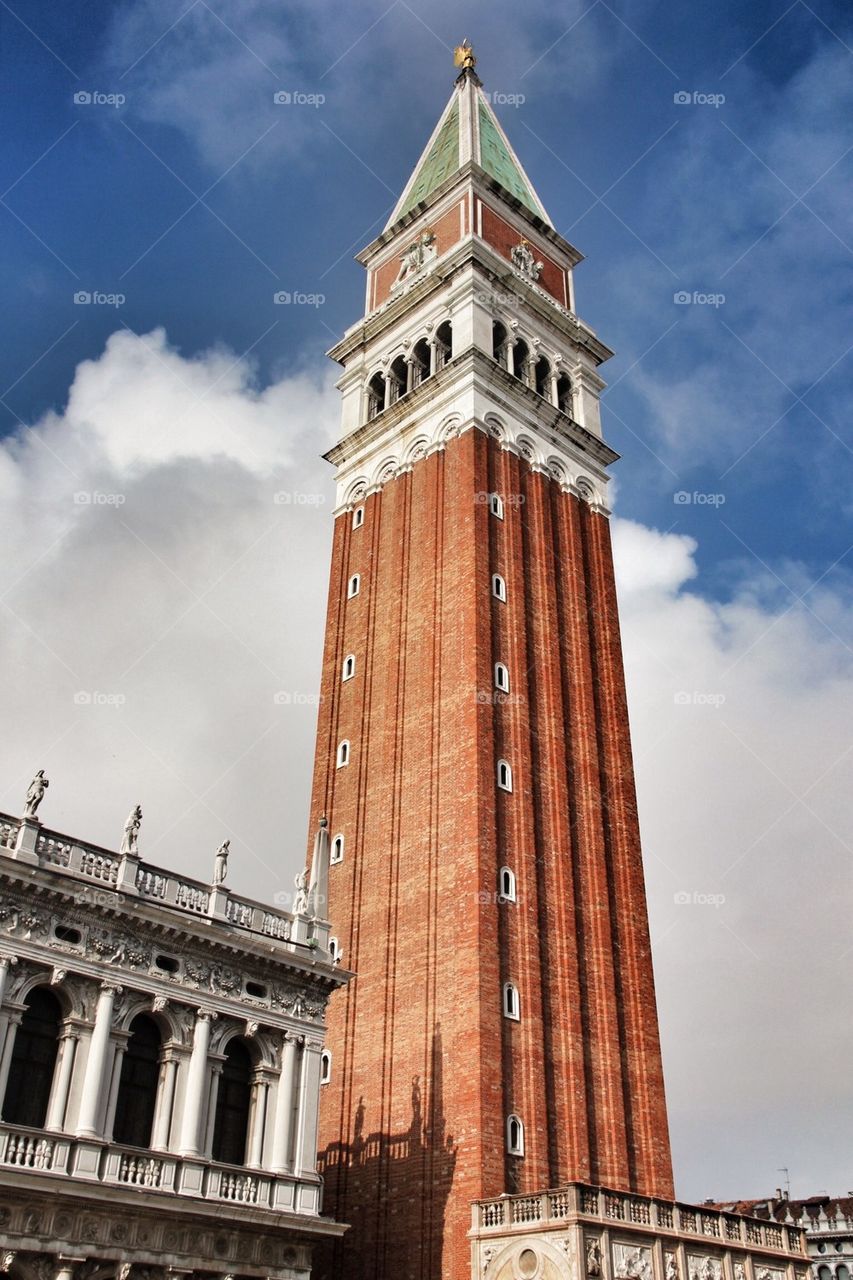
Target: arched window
<point>420,362</point>
<point>349,667</point>
<point>398,378</point>
<point>514,1136</point>
<point>343,753</point>
<point>354,586</point>
<point>499,341</point>
<point>337,854</point>
<point>504,776</point>
<point>564,394</point>
<point>506,880</point>
<point>521,360</point>
<point>542,378</point>
<point>33,1060</point>
<point>375,396</point>
<point>496,505</point>
<point>325,1066</point>
<point>512,1004</point>
<point>443,344</point>
<point>842,1271</point>
<point>502,677</point>
<point>336,951</point>
<point>137,1090</point>
<point>231,1122</point>
<point>358,518</point>
<point>498,587</point>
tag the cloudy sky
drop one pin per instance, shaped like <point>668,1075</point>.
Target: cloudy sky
<point>166,516</point>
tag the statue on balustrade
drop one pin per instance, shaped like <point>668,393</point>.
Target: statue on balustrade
<point>35,794</point>
<point>130,843</point>
<point>220,866</point>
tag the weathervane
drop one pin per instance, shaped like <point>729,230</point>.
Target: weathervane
<point>463,56</point>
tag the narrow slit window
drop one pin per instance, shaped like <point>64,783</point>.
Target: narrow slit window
<point>507,885</point>
<point>502,677</point>
<point>512,1004</point>
<point>349,667</point>
<point>498,587</point>
<point>336,951</point>
<point>358,518</point>
<point>514,1136</point>
<point>354,586</point>
<point>343,753</point>
<point>496,505</point>
<point>337,854</point>
<point>325,1066</point>
<point>504,776</point>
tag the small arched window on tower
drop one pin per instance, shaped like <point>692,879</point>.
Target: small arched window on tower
<point>336,951</point>
<point>502,677</point>
<point>420,362</point>
<point>349,667</point>
<point>353,586</point>
<point>375,396</point>
<point>542,378</point>
<point>514,1136</point>
<point>512,1004</point>
<point>398,376</point>
<point>358,518</point>
<point>496,505</point>
<point>443,344</point>
<point>325,1066</point>
<point>504,776</point>
<point>564,394</point>
<point>521,361</point>
<point>506,883</point>
<point>498,587</point>
<point>499,342</point>
<point>343,753</point>
<point>337,853</point>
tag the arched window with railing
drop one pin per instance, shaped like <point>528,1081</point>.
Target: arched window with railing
<point>521,360</point>
<point>397,377</point>
<point>137,1090</point>
<point>443,344</point>
<point>499,342</point>
<point>420,362</point>
<point>542,378</point>
<point>375,396</point>
<point>564,394</point>
<point>33,1061</point>
<point>233,1100</point>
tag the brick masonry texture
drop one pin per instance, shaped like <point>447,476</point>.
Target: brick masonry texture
<point>425,1067</point>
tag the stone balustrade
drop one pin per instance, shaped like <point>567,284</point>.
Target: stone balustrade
<point>579,1202</point>
<point>56,1155</point>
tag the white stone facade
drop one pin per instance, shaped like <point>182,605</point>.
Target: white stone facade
<point>161,1056</point>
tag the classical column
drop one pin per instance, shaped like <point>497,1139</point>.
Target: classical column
<point>62,1081</point>
<point>433,357</point>
<point>309,1107</point>
<point>388,382</point>
<point>93,1081</point>
<point>258,1125</point>
<point>165,1102</point>
<point>212,1097</point>
<point>196,1082</point>
<point>109,1112</point>
<point>13,1021</point>
<point>509,349</point>
<point>410,373</point>
<point>6,963</point>
<point>552,382</point>
<point>283,1132</point>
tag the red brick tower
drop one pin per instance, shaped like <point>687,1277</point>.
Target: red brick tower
<point>473,750</point>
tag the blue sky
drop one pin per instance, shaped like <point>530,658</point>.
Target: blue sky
<point>195,597</point>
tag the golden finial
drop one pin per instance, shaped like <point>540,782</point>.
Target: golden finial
<point>463,56</point>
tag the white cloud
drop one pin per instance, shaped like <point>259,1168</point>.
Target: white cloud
<point>198,598</point>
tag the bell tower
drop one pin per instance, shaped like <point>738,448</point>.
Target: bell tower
<point>473,750</point>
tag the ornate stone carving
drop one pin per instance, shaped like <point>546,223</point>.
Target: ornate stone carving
<point>489,1252</point>
<point>632,1262</point>
<point>35,794</point>
<point>116,947</point>
<point>704,1267</point>
<point>740,1271</point>
<point>220,865</point>
<point>130,839</point>
<point>24,921</point>
<point>414,259</point>
<point>670,1263</point>
<point>524,261</point>
<point>593,1256</point>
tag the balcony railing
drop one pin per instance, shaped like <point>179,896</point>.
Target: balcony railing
<point>57,1155</point>
<point>605,1207</point>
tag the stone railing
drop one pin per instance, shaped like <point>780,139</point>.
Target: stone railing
<point>137,878</point>
<point>57,1155</point>
<point>613,1207</point>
